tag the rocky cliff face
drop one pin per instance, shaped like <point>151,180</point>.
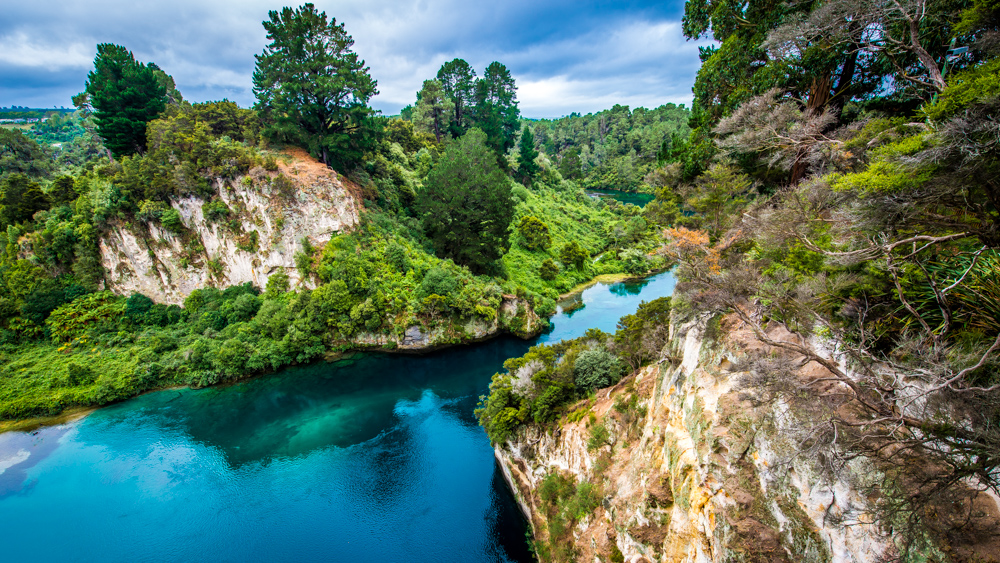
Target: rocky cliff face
<point>514,316</point>
<point>689,470</point>
<point>268,216</point>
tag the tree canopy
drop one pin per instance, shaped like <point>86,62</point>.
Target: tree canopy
<point>433,111</point>
<point>125,95</point>
<point>312,89</point>
<point>466,204</point>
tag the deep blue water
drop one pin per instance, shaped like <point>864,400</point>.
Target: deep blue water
<point>375,458</point>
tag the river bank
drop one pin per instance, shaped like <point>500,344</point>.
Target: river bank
<point>375,453</point>
<point>515,317</point>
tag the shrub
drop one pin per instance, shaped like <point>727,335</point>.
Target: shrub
<point>596,368</point>
<point>534,232</point>
<point>438,281</point>
<point>171,221</point>
<point>572,254</point>
<point>549,270</point>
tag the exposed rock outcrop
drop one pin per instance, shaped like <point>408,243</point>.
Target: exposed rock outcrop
<point>269,215</point>
<point>514,316</point>
<point>692,472</point>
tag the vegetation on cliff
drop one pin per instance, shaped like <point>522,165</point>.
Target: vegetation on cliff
<point>407,264</point>
<point>843,183</point>
<point>538,387</point>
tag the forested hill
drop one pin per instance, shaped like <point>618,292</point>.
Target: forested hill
<point>611,149</point>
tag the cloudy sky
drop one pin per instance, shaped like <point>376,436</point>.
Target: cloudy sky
<point>565,55</point>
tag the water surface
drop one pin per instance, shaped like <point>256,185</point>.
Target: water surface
<point>635,198</point>
<point>374,458</point>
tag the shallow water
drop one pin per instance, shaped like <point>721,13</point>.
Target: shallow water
<point>374,458</point>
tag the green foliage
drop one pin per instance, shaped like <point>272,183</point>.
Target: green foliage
<point>20,199</point>
<point>641,336</point>
<point>90,311</point>
<point>216,211</point>
<point>535,233</point>
<point>171,220</point>
<point>459,82</point>
<point>540,385</point>
<point>612,149</point>
<point>125,95</point>
<point>599,437</point>
<point>595,369</point>
<point>312,89</point>
<point>466,204</point>
<point>496,112</point>
<point>438,281</point>
<point>549,270</point>
<point>527,168</point>
<point>20,154</point>
<point>572,254</point>
<point>434,110</point>
<point>966,88</point>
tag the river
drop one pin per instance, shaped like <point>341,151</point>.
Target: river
<point>635,198</point>
<point>373,458</point>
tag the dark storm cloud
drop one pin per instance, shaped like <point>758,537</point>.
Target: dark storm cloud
<point>565,56</point>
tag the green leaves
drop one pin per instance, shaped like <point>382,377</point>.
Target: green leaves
<point>312,88</point>
<point>126,95</point>
<point>466,204</point>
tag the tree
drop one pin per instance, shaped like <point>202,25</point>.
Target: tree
<point>20,199</point>
<point>459,82</point>
<point>548,271</point>
<point>527,168</point>
<point>125,95</point>
<point>21,154</point>
<point>574,254</point>
<point>720,192</point>
<point>433,111</point>
<point>496,107</point>
<point>569,166</point>
<point>535,233</point>
<point>312,89</point>
<point>63,190</point>
<point>466,204</point>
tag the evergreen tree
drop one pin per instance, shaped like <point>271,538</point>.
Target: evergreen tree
<point>20,199</point>
<point>21,154</point>
<point>125,95</point>
<point>569,166</point>
<point>433,111</point>
<point>527,168</point>
<point>496,107</point>
<point>466,204</point>
<point>459,82</point>
<point>312,89</point>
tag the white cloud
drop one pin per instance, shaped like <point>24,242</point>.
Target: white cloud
<point>564,56</point>
<point>17,49</point>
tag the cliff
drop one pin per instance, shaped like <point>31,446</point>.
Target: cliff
<point>514,316</point>
<point>257,232</point>
<point>689,465</point>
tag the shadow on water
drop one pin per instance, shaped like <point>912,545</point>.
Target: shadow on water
<point>330,461</point>
<point>301,409</point>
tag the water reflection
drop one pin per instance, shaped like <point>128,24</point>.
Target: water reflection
<point>629,288</point>
<point>331,461</point>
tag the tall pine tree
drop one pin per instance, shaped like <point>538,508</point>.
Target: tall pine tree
<point>312,89</point>
<point>125,95</point>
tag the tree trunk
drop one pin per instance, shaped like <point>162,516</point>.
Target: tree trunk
<point>836,103</point>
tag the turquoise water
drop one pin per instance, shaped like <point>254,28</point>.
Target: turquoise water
<point>637,199</point>
<point>375,458</point>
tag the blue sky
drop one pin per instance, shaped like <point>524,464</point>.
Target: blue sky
<point>565,56</point>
